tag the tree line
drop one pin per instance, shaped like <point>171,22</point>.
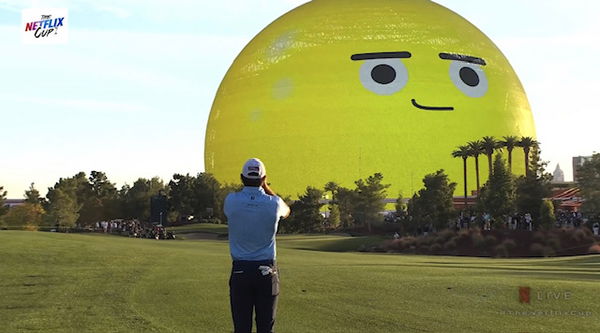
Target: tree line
<point>348,208</point>
<point>588,178</point>
<point>83,200</point>
<point>432,207</point>
<point>505,193</point>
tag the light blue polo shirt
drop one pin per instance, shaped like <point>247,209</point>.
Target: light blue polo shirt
<point>252,218</point>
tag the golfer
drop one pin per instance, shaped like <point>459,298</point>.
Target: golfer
<point>253,214</point>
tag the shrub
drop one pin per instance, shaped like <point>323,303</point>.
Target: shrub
<point>395,244</point>
<point>582,236</point>
<point>446,235</point>
<point>509,244</point>
<point>407,242</point>
<point>478,240</point>
<point>464,233</point>
<point>536,249</point>
<point>424,241</point>
<point>490,241</point>
<point>439,240</point>
<point>450,245</point>
<point>539,236</point>
<point>578,235</point>
<point>408,239</point>
<point>553,242</point>
<point>375,248</point>
<point>423,248</point>
<point>435,248</point>
<point>471,231</point>
<point>501,251</point>
<point>594,248</point>
<point>549,252</point>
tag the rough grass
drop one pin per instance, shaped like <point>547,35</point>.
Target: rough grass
<point>199,227</point>
<point>89,283</point>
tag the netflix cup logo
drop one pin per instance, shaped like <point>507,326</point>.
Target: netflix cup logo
<point>45,26</point>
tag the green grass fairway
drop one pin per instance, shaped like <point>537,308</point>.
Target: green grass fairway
<point>52,282</point>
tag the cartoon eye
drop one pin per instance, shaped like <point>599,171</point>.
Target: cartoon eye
<point>383,76</point>
<point>469,78</point>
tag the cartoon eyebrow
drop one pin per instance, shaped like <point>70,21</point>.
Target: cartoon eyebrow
<point>462,57</point>
<point>380,55</point>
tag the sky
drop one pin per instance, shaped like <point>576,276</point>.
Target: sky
<point>131,91</point>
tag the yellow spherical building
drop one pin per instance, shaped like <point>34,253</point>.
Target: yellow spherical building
<point>336,90</point>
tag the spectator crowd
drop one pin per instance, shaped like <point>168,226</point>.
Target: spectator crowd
<point>133,228</point>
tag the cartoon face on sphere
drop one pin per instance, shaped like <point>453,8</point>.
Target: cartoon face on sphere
<point>337,90</point>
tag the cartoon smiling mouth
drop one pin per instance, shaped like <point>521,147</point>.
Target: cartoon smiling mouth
<point>432,108</point>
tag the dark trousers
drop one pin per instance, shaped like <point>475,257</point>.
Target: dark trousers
<point>250,290</point>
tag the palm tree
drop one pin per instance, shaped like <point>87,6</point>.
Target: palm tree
<point>510,142</point>
<point>490,145</point>
<point>527,143</point>
<point>463,152</point>
<point>476,149</point>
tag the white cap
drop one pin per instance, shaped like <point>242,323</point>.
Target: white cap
<point>254,169</point>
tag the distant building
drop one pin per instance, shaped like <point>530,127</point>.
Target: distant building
<point>14,202</point>
<point>577,163</point>
<point>558,175</point>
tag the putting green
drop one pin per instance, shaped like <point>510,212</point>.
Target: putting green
<point>71,282</point>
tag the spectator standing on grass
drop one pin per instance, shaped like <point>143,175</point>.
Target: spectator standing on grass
<point>528,221</point>
<point>253,215</point>
<point>465,222</point>
<point>486,218</point>
<point>596,228</point>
